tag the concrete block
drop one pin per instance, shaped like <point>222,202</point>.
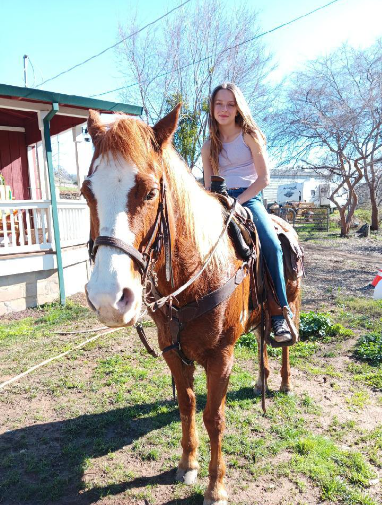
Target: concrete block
<point>12,292</point>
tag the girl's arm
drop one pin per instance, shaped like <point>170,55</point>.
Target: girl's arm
<point>255,145</point>
<point>207,169</point>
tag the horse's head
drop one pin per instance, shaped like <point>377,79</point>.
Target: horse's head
<point>123,191</point>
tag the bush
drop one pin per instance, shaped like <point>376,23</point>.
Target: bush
<point>369,348</point>
<point>314,325</point>
<point>318,326</point>
<point>248,340</point>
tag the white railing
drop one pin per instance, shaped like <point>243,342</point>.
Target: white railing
<point>26,225</point>
<point>74,221</point>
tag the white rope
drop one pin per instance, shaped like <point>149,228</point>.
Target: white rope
<point>6,383</point>
<point>92,330</point>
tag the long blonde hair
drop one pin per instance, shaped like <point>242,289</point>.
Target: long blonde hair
<point>243,119</point>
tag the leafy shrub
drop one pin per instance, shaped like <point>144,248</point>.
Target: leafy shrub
<point>369,348</point>
<point>318,326</point>
<point>337,330</point>
<point>248,340</point>
<point>314,325</point>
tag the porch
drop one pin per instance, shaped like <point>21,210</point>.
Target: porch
<point>43,252</point>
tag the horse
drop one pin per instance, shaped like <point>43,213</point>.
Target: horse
<point>142,196</point>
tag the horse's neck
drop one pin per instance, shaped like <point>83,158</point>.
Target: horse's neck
<point>198,223</point>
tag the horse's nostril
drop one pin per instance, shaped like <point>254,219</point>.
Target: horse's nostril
<point>126,298</point>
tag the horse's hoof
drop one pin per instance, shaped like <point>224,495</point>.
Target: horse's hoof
<point>211,502</point>
<point>186,476</point>
<point>287,390</point>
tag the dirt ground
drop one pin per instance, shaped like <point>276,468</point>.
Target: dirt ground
<point>34,410</point>
<point>339,267</point>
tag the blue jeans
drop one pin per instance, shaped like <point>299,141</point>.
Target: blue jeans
<point>270,244</point>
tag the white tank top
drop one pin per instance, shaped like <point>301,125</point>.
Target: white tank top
<point>236,164</point>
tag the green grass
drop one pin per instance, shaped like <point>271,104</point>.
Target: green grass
<point>367,374</point>
<point>48,316</point>
<point>116,429</point>
<point>341,474</point>
<point>359,313</point>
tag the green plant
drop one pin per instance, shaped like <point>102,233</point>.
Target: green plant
<point>369,348</point>
<point>318,325</point>
<point>248,340</point>
<point>314,325</point>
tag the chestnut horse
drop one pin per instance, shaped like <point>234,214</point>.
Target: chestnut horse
<point>124,191</point>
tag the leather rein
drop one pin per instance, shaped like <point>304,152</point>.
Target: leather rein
<point>160,238</point>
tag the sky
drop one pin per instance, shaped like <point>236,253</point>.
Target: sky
<point>59,34</point>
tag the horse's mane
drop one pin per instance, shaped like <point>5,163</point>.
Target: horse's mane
<point>202,214</point>
<point>131,138</point>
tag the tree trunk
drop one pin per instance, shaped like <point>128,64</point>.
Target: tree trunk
<point>345,227</point>
<point>374,210</point>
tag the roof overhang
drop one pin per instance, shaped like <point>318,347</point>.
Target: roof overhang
<point>18,108</point>
<point>36,99</point>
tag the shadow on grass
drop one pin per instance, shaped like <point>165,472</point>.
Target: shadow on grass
<point>45,463</point>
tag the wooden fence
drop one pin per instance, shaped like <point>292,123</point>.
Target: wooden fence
<point>305,216</point>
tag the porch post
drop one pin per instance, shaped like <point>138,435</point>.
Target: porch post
<point>56,227</point>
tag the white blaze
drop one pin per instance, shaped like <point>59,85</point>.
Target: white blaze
<point>113,270</point>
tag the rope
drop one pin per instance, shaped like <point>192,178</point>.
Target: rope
<point>14,379</point>
<point>79,331</point>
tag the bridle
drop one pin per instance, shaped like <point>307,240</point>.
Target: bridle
<point>145,261</point>
<point>160,237</point>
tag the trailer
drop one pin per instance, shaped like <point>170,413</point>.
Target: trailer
<point>311,191</point>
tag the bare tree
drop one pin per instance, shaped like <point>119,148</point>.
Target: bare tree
<point>195,48</point>
<point>330,123</point>
<point>365,69</point>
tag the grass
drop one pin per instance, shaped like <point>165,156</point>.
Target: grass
<point>104,423</point>
<point>341,474</point>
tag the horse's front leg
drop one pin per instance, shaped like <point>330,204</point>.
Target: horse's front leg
<point>184,380</point>
<point>218,370</point>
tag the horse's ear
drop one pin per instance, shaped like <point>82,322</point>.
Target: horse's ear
<point>96,128</point>
<point>166,127</point>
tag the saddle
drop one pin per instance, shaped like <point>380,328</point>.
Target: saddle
<point>242,231</point>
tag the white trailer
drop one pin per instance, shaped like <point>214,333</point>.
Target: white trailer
<point>309,191</point>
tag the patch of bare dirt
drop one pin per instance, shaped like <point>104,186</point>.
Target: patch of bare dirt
<point>339,267</point>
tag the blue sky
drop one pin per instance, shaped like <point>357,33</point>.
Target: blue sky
<point>58,34</point>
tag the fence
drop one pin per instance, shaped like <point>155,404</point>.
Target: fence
<point>305,217</point>
<point>26,225</point>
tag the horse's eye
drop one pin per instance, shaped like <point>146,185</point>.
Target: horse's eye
<point>152,194</point>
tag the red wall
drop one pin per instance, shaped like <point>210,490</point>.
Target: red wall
<point>14,163</point>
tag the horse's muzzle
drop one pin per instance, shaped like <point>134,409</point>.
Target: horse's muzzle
<point>115,311</point>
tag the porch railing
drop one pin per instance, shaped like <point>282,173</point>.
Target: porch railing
<point>73,216</point>
<point>26,225</point>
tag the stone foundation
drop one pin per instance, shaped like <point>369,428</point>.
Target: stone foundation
<point>19,291</point>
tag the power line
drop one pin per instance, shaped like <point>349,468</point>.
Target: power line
<point>114,45</point>
<point>225,50</point>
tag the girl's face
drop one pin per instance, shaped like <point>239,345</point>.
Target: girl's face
<point>225,108</point>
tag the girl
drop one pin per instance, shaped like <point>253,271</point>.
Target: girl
<point>236,151</point>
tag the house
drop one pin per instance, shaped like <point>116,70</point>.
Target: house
<point>43,252</point>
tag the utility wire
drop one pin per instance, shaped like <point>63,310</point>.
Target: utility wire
<point>114,45</point>
<point>225,50</point>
